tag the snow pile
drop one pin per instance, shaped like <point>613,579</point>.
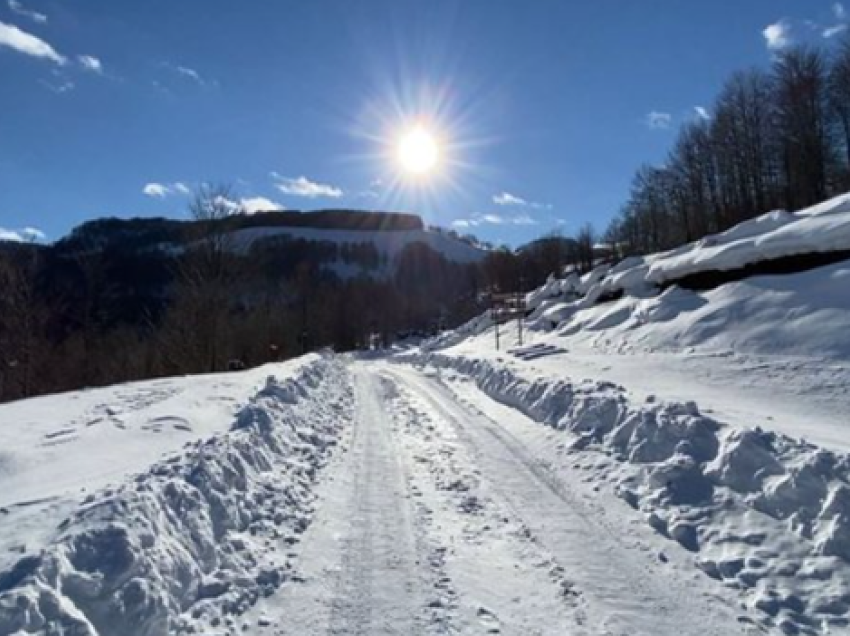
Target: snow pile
<point>477,325</point>
<point>802,314</point>
<point>192,542</point>
<point>637,302</point>
<point>762,512</point>
<point>822,228</point>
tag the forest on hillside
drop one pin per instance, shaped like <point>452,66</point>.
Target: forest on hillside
<point>119,300</point>
<point>776,138</point>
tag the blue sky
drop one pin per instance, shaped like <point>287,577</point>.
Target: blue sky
<point>544,108</point>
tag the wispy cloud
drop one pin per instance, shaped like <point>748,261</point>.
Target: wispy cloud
<point>182,75</point>
<point>657,120</point>
<point>494,219</point>
<point>191,73</point>
<point>777,36</point>
<point>14,38</point>
<point>59,84</point>
<point>506,199</point>
<point>702,113</point>
<point>832,31</point>
<point>163,190</point>
<point>90,63</point>
<point>23,235</point>
<point>840,15</point>
<point>18,7</point>
<point>304,187</point>
<point>374,191</point>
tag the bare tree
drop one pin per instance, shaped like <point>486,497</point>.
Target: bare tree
<point>22,318</point>
<point>802,123</point>
<point>839,101</point>
<point>585,241</point>
<point>195,326</point>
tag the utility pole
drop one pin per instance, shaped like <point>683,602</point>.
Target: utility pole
<point>520,314</point>
<point>520,308</point>
<point>495,315</point>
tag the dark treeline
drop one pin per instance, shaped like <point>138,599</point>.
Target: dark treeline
<point>777,138</point>
<point>120,300</point>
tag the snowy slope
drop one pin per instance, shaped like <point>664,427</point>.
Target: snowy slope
<point>185,542</point>
<point>57,449</point>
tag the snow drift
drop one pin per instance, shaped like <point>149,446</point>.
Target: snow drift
<point>189,544</point>
<point>776,284</point>
<point>762,512</point>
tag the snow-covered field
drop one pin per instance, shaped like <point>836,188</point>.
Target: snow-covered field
<point>663,462</point>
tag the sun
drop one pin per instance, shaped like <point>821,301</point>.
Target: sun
<point>418,151</point>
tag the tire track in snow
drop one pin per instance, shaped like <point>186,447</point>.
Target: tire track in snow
<point>495,580</point>
<point>361,560</point>
<point>624,597</point>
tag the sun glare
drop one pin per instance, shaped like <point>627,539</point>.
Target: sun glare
<point>418,152</point>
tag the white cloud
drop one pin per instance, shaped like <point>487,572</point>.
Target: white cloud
<point>702,113</point>
<point>90,63</point>
<point>18,7</point>
<point>494,219</point>
<point>658,121</point>
<point>249,205</point>
<point>28,44</point>
<point>156,190</point>
<point>252,205</point>
<point>506,198</point>
<point>303,187</point>
<point>834,30</point>
<point>61,85</point>
<point>778,35</point>
<point>523,219</point>
<point>23,235</point>
<point>840,14</point>
<point>190,73</point>
<point>162,190</point>
<point>186,74</point>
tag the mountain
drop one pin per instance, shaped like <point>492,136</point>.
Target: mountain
<point>122,299</point>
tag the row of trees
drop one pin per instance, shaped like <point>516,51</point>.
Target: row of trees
<point>109,304</point>
<point>127,300</point>
<point>777,138</point>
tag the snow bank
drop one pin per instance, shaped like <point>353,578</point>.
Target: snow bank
<point>821,229</point>
<point>762,512</point>
<point>192,542</point>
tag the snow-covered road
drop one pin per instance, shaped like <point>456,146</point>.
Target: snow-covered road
<point>444,517</point>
